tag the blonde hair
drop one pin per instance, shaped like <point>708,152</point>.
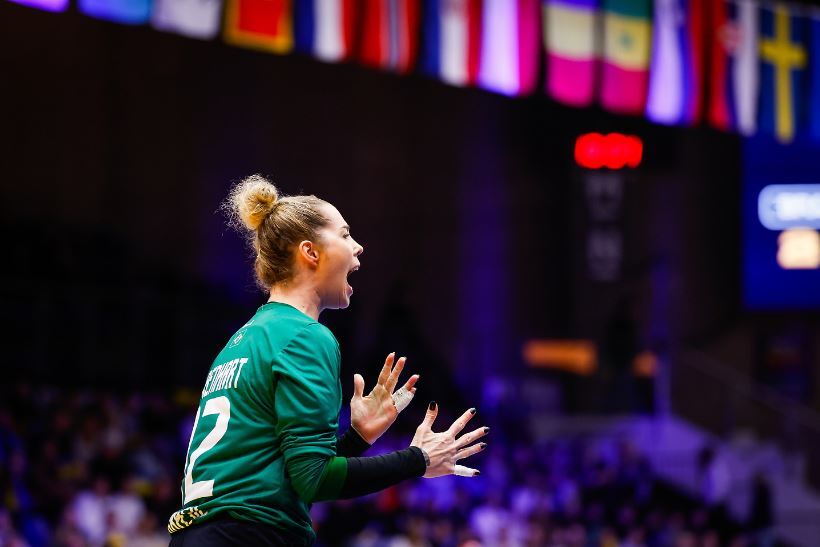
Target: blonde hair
<point>275,225</point>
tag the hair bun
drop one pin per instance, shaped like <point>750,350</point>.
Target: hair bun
<point>252,200</point>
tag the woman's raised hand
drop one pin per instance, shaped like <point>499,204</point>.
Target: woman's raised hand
<point>372,414</point>
<point>444,449</point>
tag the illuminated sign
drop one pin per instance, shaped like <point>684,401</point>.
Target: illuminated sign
<point>613,151</point>
<point>785,206</point>
<point>781,224</point>
<point>578,356</point>
<point>799,249</point>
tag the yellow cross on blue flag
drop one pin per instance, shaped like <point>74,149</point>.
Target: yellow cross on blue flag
<point>783,63</point>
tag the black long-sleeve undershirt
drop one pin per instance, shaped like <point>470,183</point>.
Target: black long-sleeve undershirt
<point>368,475</point>
<point>351,444</point>
<point>348,476</point>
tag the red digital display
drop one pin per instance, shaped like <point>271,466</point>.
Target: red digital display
<point>611,151</point>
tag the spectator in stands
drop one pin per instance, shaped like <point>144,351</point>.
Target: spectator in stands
<point>715,481</point>
<point>761,519</point>
<point>565,495</point>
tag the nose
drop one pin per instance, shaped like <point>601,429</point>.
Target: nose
<point>359,249</point>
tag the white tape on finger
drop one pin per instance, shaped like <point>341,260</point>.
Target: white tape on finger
<point>402,398</point>
<point>463,471</point>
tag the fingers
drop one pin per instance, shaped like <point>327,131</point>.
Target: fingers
<point>402,398</point>
<point>409,385</point>
<point>470,450</point>
<point>393,379</point>
<point>358,385</point>
<point>388,365</point>
<point>462,471</point>
<point>471,437</point>
<point>430,417</point>
<point>462,420</point>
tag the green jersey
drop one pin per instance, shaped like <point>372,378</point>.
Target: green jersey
<point>272,394</point>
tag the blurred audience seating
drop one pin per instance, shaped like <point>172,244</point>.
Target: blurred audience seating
<point>92,467</point>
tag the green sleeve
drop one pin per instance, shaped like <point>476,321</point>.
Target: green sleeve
<point>316,478</point>
<point>307,401</point>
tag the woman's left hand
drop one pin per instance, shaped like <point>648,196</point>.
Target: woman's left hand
<point>373,414</point>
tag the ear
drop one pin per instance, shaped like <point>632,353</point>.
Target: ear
<point>308,252</point>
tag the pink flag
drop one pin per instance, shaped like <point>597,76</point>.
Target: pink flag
<point>510,46</point>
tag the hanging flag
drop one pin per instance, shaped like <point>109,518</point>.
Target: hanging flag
<point>48,5</point>
<point>262,24</point>
<point>625,71</point>
<point>676,71</point>
<point>814,75</point>
<point>782,71</point>
<point>570,41</point>
<point>509,46</point>
<point>128,12</point>
<point>325,28</point>
<point>452,40</point>
<point>390,34</point>
<point>192,18</point>
<point>735,66</point>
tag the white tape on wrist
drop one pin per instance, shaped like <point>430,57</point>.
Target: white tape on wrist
<point>402,398</point>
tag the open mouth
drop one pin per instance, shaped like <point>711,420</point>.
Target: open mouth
<point>353,269</point>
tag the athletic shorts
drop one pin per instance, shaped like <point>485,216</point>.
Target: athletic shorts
<point>228,532</point>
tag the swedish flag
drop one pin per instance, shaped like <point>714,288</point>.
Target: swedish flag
<point>783,65</point>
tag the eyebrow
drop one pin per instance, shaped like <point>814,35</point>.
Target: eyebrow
<point>345,227</point>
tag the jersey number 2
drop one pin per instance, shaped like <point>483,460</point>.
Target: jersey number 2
<point>220,406</point>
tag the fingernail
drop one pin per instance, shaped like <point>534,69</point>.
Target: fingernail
<point>432,405</point>
<point>486,430</point>
<point>472,411</point>
<point>483,446</point>
<point>477,473</point>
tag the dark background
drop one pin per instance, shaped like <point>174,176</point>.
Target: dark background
<point>120,279</point>
<point>119,144</point>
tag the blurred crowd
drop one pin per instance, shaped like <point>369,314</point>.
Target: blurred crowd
<point>86,468</point>
<point>573,492</point>
<point>93,468</point>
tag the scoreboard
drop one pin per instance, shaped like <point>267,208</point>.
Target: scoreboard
<point>781,225</point>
